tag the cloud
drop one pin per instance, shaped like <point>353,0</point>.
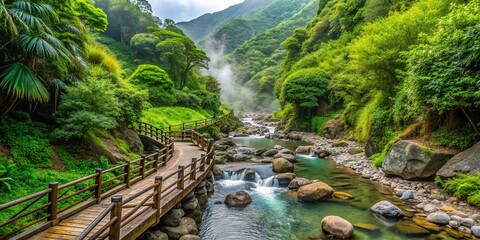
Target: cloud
<point>184,10</point>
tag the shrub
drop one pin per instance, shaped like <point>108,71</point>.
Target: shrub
<point>86,105</point>
<point>157,82</point>
<point>465,186</point>
<point>28,143</point>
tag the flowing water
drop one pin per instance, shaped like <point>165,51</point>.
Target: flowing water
<point>276,214</point>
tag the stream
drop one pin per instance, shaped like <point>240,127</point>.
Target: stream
<point>276,214</point>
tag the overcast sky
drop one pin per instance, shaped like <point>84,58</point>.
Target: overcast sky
<point>184,10</point>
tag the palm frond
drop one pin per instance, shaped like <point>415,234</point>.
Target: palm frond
<point>19,82</point>
<point>44,46</point>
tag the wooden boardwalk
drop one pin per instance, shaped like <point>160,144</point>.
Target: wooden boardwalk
<point>72,227</point>
<point>121,202</point>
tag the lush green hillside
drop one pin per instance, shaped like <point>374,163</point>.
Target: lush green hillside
<point>395,69</point>
<point>238,31</point>
<point>204,26</point>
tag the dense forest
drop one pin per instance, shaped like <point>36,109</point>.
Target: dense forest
<point>75,78</point>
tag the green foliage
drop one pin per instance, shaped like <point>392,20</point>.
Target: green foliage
<point>157,82</point>
<point>28,143</point>
<point>466,187</point>
<point>462,140</point>
<point>444,70</point>
<point>439,181</point>
<point>305,88</point>
<point>95,18</point>
<point>366,118</point>
<point>87,105</point>
<point>318,122</point>
<point>101,56</point>
<point>165,116</point>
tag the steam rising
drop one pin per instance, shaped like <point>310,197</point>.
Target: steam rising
<point>238,96</point>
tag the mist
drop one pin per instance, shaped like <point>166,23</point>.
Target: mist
<point>239,97</point>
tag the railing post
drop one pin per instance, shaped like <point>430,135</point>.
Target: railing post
<point>193,169</point>
<point>114,233</point>
<point>202,162</point>
<point>196,124</point>
<point>140,128</point>
<point>157,157</point>
<point>156,133</point>
<point>210,145</point>
<point>170,131</point>
<point>165,156</point>
<point>158,197</point>
<point>181,181</point>
<point>98,183</point>
<point>126,179</point>
<point>142,167</point>
<point>53,200</point>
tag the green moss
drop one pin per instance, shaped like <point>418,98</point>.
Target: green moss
<point>365,121</point>
<point>466,187</point>
<point>319,122</point>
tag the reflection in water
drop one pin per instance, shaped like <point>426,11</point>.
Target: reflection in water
<point>276,214</point>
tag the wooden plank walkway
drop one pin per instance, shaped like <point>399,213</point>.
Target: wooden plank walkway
<point>73,226</point>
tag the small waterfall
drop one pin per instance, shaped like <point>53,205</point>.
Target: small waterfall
<point>269,182</point>
<point>239,175</point>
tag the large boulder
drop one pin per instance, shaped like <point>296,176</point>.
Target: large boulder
<point>240,198</point>
<point>337,226</point>
<point>282,165</point>
<point>464,162</point>
<point>290,157</point>
<point>409,159</point>
<point>304,149</point>
<point>314,192</point>
<point>386,209</point>
<point>156,235</point>
<point>285,178</point>
<point>297,182</point>
<point>226,142</point>
<point>333,128</point>
<point>439,218</point>
<point>270,153</point>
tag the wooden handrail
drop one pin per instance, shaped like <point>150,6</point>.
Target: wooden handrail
<point>99,185</point>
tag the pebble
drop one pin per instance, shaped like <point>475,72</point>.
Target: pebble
<point>429,208</point>
<point>467,222</point>
<point>475,231</point>
<point>407,195</point>
<point>439,218</point>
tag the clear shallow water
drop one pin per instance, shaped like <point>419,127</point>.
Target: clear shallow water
<point>275,214</point>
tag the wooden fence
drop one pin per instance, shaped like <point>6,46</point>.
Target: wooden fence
<point>102,184</point>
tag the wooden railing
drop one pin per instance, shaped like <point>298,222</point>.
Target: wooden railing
<point>59,202</point>
<point>151,197</point>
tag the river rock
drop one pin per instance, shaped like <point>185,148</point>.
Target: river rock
<point>371,148</point>
<point>464,162</point>
<point>355,150</point>
<point>187,226</point>
<point>284,179</point>
<point>290,157</point>
<point>190,237</point>
<point>314,192</point>
<point>173,217</point>
<point>270,153</point>
<point>282,165</point>
<point>409,159</point>
<point>340,143</point>
<point>337,226</point>
<point>467,222</point>
<point>333,128</point>
<point>210,188</point>
<point>240,198</point>
<point>190,205</point>
<point>240,157</point>
<point>278,147</point>
<point>222,147</point>
<point>387,209</point>
<point>407,195</point>
<point>439,218</point>
<point>430,208</point>
<point>225,142</point>
<point>475,231</point>
<point>342,195</point>
<point>157,235</point>
<point>304,149</point>
<point>259,152</point>
<point>217,172</point>
<point>249,175</point>
<point>297,182</point>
